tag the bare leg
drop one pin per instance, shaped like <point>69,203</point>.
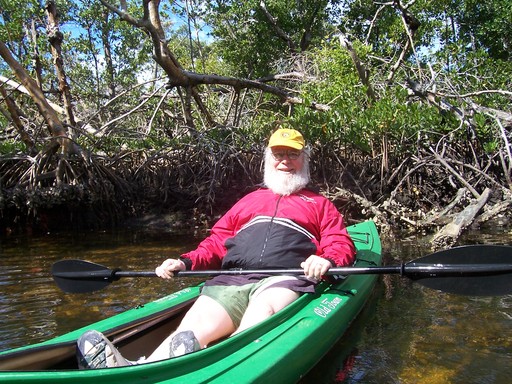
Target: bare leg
<point>206,318</point>
<point>264,304</point>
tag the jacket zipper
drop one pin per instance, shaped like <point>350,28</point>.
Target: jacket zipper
<point>267,235</point>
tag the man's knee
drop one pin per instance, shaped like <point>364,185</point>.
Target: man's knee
<point>273,300</point>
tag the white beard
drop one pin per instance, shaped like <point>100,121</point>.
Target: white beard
<point>283,183</point>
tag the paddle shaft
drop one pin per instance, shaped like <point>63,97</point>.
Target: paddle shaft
<point>479,270</point>
<point>405,270</point>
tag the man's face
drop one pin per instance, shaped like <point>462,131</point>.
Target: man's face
<point>286,170</point>
<point>287,159</point>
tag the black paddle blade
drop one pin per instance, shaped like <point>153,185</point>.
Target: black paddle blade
<point>473,278</point>
<point>78,276</point>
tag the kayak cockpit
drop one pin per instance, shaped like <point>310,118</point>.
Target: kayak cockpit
<point>134,339</point>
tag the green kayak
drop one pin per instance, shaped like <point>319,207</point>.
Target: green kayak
<point>281,349</point>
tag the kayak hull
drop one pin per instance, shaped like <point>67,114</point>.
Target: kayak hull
<point>281,349</point>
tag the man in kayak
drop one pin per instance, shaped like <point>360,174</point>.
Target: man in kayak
<point>281,226</point>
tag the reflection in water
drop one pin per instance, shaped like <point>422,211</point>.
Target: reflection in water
<point>33,309</point>
<point>406,333</point>
<point>409,334</point>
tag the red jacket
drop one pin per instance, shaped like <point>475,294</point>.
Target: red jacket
<point>265,230</point>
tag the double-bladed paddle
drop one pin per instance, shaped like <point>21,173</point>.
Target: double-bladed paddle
<point>473,270</point>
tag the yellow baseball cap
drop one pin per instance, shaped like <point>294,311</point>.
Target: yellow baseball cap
<point>285,137</point>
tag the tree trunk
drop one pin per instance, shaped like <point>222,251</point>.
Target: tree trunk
<point>55,126</point>
<point>14,115</point>
<point>105,38</point>
<point>36,58</point>
<point>448,235</point>
<point>55,37</point>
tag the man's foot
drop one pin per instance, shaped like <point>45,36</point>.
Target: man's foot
<point>96,351</point>
<point>183,343</point>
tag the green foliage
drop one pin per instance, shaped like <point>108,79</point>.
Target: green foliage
<point>15,17</point>
<point>91,28</point>
<point>486,25</point>
<point>113,144</point>
<point>15,20</point>
<point>247,40</point>
<point>11,146</point>
<point>353,121</point>
<point>460,47</point>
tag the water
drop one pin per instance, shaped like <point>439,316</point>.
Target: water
<point>33,309</point>
<point>406,333</point>
<point>409,334</point>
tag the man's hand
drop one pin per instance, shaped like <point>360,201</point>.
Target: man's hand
<point>168,267</point>
<point>315,266</point>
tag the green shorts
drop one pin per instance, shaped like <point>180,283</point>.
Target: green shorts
<point>236,298</point>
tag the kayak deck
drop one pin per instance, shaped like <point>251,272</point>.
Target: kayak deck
<point>281,349</point>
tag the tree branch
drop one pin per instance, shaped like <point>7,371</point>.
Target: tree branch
<point>455,173</point>
<point>51,118</point>
<point>279,31</point>
<point>411,24</point>
<point>177,75</point>
<point>361,70</point>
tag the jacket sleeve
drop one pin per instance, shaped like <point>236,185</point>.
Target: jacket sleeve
<point>335,243</point>
<point>210,252</point>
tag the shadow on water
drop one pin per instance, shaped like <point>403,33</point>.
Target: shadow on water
<point>405,334</point>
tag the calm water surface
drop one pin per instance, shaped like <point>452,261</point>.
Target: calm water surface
<point>406,334</point>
